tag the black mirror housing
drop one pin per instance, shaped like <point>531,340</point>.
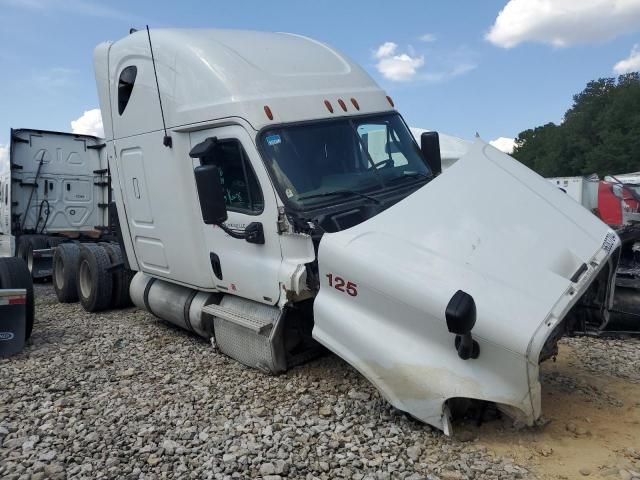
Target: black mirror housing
<point>211,194</point>
<point>461,313</point>
<point>430,147</point>
<point>461,318</point>
<point>254,233</point>
<point>203,148</point>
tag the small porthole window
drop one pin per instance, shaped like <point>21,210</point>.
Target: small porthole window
<point>125,87</point>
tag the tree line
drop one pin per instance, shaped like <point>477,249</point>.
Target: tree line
<point>600,133</point>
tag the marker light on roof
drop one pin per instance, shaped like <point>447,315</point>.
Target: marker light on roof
<point>327,104</point>
<point>342,104</point>
<point>390,100</point>
<point>267,110</point>
<point>355,103</point>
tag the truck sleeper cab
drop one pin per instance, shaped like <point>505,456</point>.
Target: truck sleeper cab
<point>55,188</point>
<point>283,202</point>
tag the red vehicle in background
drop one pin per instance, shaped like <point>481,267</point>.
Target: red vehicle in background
<point>616,200</point>
<point>619,200</point>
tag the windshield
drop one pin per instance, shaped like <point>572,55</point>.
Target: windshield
<point>313,161</point>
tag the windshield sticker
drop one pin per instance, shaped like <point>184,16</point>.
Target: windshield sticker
<point>289,193</point>
<point>273,140</point>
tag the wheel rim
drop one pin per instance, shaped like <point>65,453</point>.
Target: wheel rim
<point>30,260</point>
<point>58,272</point>
<point>85,279</point>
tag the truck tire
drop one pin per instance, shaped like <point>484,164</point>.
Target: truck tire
<point>53,242</point>
<point>14,274</point>
<point>93,278</point>
<point>120,297</point>
<point>26,245</point>
<point>66,258</point>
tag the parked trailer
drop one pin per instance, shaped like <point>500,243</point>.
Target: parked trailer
<point>253,212</point>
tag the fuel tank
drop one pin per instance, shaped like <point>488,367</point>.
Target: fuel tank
<point>181,306</point>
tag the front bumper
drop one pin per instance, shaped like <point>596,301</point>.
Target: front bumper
<point>585,305</point>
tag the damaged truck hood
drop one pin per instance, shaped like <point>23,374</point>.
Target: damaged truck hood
<point>523,249</point>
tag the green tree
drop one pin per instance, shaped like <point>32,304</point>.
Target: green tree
<point>600,133</point>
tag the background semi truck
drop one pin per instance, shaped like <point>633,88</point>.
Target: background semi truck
<point>55,214</point>
<point>54,188</point>
<point>259,208</point>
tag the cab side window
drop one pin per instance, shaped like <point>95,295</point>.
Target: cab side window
<point>125,87</point>
<point>242,192</point>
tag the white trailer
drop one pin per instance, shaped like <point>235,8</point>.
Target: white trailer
<point>55,188</point>
<point>583,190</point>
<point>257,214</point>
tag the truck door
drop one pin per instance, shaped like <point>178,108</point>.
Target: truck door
<point>237,267</point>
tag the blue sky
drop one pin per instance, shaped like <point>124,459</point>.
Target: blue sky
<point>436,60</point>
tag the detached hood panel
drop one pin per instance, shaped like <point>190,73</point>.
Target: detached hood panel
<point>488,226</point>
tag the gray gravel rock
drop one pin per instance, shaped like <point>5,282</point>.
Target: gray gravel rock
<point>122,394</point>
<point>615,357</point>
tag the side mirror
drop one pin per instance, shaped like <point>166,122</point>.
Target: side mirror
<point>211,194</point>
<point>430,146</point>
<point>461,318</point>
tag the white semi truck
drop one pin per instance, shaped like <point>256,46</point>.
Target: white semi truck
<point>54,188</point>
<point>257,213</point>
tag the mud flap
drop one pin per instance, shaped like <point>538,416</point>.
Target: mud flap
<point>12,321</point>
<point>42,263</point>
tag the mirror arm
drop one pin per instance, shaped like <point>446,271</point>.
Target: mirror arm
<point>231,233</point>
<point>253,233</point>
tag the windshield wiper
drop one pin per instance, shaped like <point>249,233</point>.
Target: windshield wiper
<point>344,193</point>
<point>409,175</point>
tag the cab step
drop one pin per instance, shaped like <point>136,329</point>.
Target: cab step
<point>249,332</point>
<point>245,314</point>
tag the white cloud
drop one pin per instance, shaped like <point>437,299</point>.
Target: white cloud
<point>563,23</point>
<point>427,38</point>
<point>89,123</point>
<point>4,158</point>
<point>386,49</point>
<point>398,68</point>
<point>504,144</point>
<point>629,64</point>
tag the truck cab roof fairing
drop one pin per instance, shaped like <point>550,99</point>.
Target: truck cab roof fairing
<point>210,74</point>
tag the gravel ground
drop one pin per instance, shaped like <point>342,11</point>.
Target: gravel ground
<point>124,395</point>
<point>618,358</point>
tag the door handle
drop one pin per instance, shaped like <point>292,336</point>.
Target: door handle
<point>215,265</point>
<point>136,187</point>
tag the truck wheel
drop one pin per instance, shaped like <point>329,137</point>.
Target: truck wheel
<point>26,245</point>
<point>66,258</point>
<point>14,274</point>
<point>93,278</point>
<point>121,278</point>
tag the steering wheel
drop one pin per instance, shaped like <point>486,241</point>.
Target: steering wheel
<point>383,164</point>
